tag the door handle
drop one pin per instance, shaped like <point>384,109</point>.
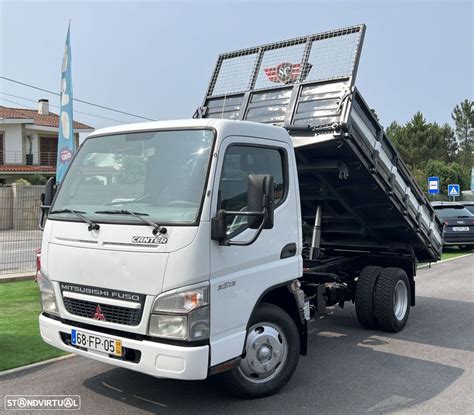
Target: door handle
<point>288,251</point>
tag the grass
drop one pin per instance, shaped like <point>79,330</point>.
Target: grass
<point>20,340</point>
<point>449,253</point>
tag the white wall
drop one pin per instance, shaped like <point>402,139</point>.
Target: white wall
<point>12,143</point>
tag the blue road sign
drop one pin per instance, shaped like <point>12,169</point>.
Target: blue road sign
<point>453,190</point>
<point>433,185</point>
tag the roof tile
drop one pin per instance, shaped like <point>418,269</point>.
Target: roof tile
<point>51,120</point>
<point>27,169</point>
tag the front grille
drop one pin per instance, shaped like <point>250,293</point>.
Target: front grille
<point>111,313</point>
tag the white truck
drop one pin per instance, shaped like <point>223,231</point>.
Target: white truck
<point>184,249</point>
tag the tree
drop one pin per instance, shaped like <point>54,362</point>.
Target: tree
<point>447,173</point>
<point>450,144</point>
<point>434,149</point>
<point>463,116</point>
<point>419,141</point>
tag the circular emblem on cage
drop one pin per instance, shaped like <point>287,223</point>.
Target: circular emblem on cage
<point>285,72</point>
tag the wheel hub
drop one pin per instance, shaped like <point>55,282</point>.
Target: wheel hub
<point>264,353</point>
<point>265,350</point>
<point>400,300</point>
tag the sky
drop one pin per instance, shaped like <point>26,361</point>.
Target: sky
<point>155,58</point>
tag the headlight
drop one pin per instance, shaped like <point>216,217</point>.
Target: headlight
<point>48,300</point>
<point>181,315</point>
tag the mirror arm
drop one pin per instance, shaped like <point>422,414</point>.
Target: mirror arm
<point>44,213</point>
<point>231,212</point>
<point>257,233</point>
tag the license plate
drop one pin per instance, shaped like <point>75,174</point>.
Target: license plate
<point>461,228</point>
<point>98,343</point>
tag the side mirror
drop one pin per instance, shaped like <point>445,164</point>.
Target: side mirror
<point>49,191</point>
<point>261,197</point>
<point>47,199</point>
<point>260,211</point>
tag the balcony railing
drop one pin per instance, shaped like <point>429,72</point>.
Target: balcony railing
<point>43,158</point>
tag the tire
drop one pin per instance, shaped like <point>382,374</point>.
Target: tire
<point>466,247</point>
<point>392,299</point>
<point>364,296</point>
<point>271,330</point>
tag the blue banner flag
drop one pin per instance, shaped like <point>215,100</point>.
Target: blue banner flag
<point>66,144</point>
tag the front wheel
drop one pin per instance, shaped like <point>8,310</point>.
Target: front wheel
<point>271,354</point>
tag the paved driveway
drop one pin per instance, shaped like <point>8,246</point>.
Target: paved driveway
<point>425,369</point>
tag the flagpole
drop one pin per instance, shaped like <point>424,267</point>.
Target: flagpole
<point>66,142</point>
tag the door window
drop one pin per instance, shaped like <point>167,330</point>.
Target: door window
<point>239,162</point>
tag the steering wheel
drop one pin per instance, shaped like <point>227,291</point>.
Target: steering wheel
<point>182,203</point>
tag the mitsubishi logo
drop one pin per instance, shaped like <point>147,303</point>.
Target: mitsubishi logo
<point>98,314</point>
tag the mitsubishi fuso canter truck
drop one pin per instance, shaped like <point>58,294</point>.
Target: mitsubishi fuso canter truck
<point>184,249</point>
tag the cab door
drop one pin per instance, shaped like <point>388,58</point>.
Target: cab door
<point>240,275</point>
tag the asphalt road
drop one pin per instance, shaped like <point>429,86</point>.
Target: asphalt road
<point>426,369</point>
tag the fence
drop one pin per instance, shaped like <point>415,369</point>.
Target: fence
<point>19,233</point>
<point>43,158</point>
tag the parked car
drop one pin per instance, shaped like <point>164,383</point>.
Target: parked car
<point>458,224</point>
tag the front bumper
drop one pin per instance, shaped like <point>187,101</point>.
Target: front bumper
<point>155,359</point>
<point>450,243</point>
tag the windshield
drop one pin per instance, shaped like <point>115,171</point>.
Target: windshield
<point>452,212</point>
<point>158,174</point>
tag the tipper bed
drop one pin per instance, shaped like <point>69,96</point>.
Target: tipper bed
<point>353,182</point>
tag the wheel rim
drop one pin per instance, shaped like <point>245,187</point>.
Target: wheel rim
<point>400,300</point>
<point>266,350</point>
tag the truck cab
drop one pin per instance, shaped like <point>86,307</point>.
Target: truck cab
<point>161,287</point>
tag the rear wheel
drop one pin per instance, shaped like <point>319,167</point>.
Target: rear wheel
<point>364,296</point>
<point>392,299</point>
<point>272,351</point>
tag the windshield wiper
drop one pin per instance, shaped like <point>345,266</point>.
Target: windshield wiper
<point>157,228</point>
<point>79,213</point>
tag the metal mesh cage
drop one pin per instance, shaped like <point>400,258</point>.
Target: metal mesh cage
<point>319,57</point>
<point>234,74</point>
<point>302,81</point>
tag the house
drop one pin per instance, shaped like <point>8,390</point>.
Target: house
<point>29,141</point>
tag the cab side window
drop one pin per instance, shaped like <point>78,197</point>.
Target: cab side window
<point>239,162</point>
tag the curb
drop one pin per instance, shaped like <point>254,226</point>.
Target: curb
<point>33,365</point>
<point>444,260</point>
<point>17,277</point>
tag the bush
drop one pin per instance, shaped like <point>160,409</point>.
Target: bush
<point>37,179</point>
<point>22,182</point>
